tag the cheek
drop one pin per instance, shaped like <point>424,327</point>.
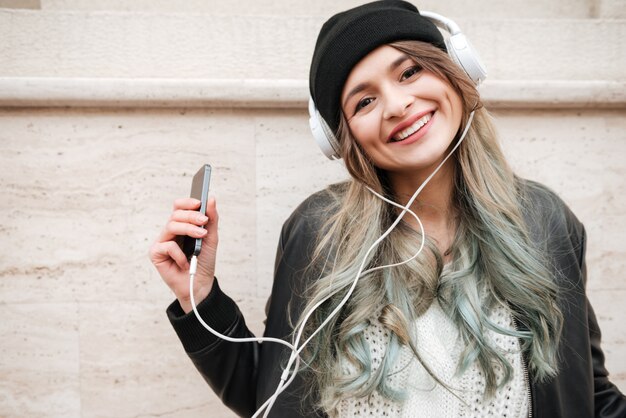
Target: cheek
<point>454,113</point>
<point>365,131</point>
<point>457,108</point>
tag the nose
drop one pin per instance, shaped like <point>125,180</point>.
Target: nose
<point>397,102</point>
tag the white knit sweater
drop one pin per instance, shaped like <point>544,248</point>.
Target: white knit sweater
<point>440,347</point>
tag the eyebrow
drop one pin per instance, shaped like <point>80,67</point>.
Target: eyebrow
<point>362,86</point>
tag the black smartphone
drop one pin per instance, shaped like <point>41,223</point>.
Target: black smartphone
<point>199,190</point>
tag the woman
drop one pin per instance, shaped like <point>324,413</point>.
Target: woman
<point>484,310</point>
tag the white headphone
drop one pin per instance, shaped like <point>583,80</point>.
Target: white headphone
<point>459,48</point>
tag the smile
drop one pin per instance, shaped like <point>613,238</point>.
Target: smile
<point>416,126</point>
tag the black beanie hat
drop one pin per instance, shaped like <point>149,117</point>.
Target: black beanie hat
<point>349,36</point>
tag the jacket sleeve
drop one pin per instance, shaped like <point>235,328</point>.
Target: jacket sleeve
<point>229,368</point>
<point>609,402</point>
<point>244,375</point>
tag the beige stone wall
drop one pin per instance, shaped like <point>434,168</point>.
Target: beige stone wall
<point>104,117</point>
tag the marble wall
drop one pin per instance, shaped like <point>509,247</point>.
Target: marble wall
<point>84,192</point>
<point>108,107</point>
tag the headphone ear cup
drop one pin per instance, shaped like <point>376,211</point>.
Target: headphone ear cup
<point>322,133</point>
<point>462,51</point>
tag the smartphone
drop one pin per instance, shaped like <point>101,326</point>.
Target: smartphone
<point>199,190</point>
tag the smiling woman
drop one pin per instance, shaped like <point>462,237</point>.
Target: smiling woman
<point>478,247</point>
<point>474,305</point>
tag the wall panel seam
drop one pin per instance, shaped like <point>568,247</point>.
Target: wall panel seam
<point>276,93</point>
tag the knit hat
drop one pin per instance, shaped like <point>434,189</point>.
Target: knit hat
<point>349,36</point>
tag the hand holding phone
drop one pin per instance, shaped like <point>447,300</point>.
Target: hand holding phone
<point>191,227</point>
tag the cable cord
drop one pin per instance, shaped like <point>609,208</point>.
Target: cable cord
<point>360,272</point>
<point>192,272</point>
<point>288,375</point>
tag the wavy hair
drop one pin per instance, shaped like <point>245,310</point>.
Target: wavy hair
<point>493,262</point>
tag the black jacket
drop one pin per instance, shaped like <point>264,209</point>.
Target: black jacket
<point>244,375</point>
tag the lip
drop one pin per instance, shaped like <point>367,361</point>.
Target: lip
<point>408,123</point>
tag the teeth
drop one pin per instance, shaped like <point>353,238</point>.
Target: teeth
<point>412,129</point>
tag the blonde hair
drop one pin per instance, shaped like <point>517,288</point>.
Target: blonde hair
<point>493,262</point>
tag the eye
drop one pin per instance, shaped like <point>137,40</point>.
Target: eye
<point>362,103</point>
<point>410,72</point>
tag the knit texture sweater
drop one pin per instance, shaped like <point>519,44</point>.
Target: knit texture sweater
<point>440,347</point>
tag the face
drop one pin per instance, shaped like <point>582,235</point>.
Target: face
<point>403,117</point>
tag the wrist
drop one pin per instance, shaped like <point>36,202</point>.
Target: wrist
<point>199,295</point>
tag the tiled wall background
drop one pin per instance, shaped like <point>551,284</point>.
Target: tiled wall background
<point>84,189</point>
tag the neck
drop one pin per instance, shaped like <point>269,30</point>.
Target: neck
<point>435,199</point>
<point>433,205</point>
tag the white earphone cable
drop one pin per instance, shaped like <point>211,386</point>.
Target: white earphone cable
<point>288,376</point>
<point>192,272</point>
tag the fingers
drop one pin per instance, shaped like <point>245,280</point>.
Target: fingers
<point>174,228</point>
<point>174,251</point>
<point>163,251</point>
<point>211,225</point>
<point>186,203</point>
<point>189,216</point>
<point>186,220</point>
<point>211,208</point>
